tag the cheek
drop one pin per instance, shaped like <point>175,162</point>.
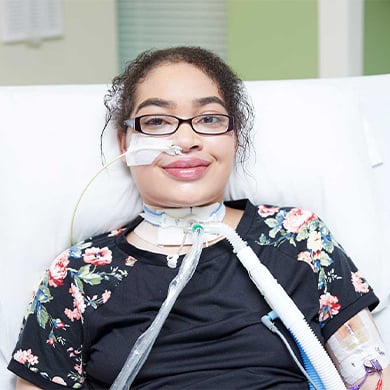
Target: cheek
<point>139,174</point>
<point>225,148</point>
<point>145,181</point>
<point>145,178</point>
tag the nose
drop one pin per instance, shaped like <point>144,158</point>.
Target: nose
<point>186,138</point>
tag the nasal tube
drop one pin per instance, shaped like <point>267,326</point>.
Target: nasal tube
<point>144,343</point>
<point>284,306</point>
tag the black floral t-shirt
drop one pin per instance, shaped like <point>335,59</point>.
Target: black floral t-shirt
<point>100,295</point>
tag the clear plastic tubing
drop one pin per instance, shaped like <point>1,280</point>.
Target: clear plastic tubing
<point>284,306</point>
<point>144,343</point>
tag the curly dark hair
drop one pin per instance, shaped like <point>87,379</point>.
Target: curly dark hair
<point>119,99</point>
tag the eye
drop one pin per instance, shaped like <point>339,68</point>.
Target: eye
<point>154,121</point>
<point>210,119</point>
<point>158,124</point>
<point>212,122</point>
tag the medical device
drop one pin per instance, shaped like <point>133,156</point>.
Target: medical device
<point>357,349</point>
<point>169,226</point>
<point>143,149</point>
<point>273,293</point>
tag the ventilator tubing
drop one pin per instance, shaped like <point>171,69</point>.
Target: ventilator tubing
<point>144,343</point>
<point>284,306</point>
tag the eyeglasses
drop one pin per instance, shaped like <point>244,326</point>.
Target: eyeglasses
<point>209,124</point>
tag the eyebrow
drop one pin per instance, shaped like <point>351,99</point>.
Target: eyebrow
<point>209,99</point>
<point>168,103</point>
<point>156,102</point>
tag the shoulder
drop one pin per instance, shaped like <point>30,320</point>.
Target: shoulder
<point>298,227</point>
<point>99,251</point>
<point>303,235</point>
<point>54,335</point>
<point>92,267</point>
<point>80,278</point>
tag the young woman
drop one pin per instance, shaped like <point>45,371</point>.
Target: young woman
<point>189,111</point>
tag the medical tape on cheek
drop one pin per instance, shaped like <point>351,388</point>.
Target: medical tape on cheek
<point>143,149</point>
<point>356,343</point>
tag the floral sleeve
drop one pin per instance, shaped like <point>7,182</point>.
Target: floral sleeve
<point>50,346</point>
<point>341,287</point>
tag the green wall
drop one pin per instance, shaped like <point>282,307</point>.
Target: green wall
<point>278,39</point>
<point>272,39</point>
<point>376,37</point>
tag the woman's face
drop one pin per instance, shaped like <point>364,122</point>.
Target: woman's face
<point>199,175</point>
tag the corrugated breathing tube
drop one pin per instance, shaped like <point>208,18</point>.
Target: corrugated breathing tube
<point>284,306</point>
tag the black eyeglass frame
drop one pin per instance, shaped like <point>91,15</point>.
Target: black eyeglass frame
<point>135,123</point>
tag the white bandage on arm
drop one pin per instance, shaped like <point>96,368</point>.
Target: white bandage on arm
<point>354,345</point>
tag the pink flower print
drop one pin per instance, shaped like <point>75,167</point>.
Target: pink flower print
<point>265,211</point>
<point>59,380</point>
<point>106,296</point>
<point>130,261</point>
<point>26,357</point>
<point>97,256</point>
<point>329,306</point>
<point>73,315</point>
<point>58,270</point>
<point>305,257</point>
<point>296,218</point>
<point>73,352</point>
<point>78,368</point>
<point>78,304</point>
<point>78,301</point>
<point>358,283</point>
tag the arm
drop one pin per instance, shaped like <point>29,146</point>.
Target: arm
<point>21,384</point>
<point>371,381</point>
<point>355,345</point>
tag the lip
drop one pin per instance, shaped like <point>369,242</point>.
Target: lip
<point>188,169</point>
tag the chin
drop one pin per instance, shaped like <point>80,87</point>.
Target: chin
<point>184,194</point>
<point>183,201</point>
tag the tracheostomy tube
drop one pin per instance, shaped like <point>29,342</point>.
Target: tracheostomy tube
<point>144,343</point>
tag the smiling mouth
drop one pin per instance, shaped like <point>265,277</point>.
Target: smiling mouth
<point>187,170</point>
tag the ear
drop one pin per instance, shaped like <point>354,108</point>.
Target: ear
<point>122,137</point>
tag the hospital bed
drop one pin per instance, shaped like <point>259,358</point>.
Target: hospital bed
<point>322,144</point>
